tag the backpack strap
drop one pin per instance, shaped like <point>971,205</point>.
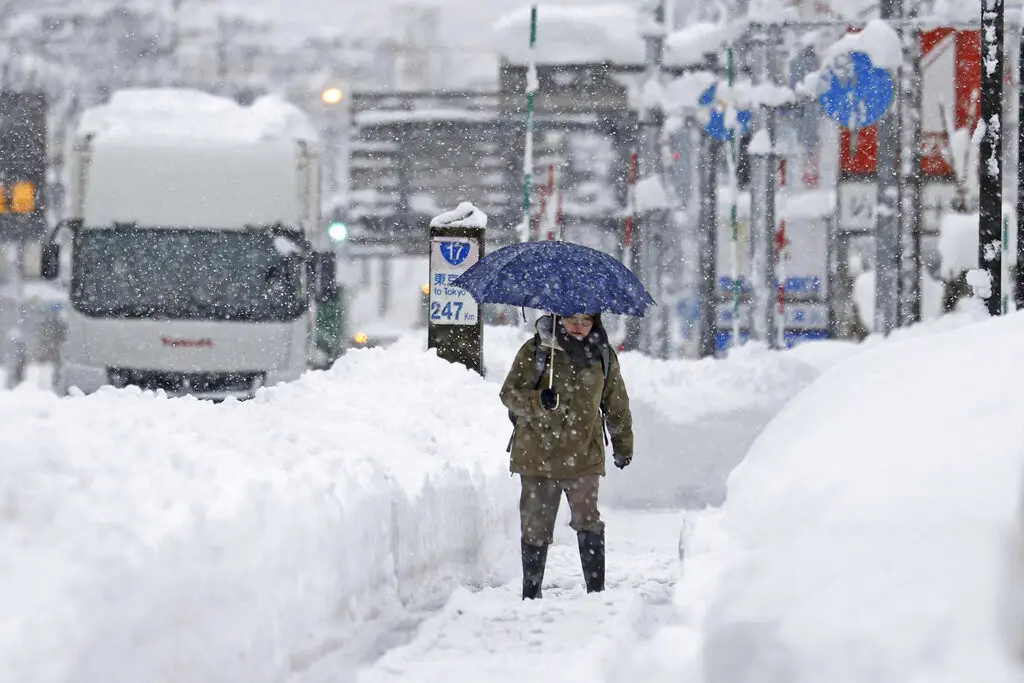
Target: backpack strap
<point>539,365</point>
<point>540,362</point>
<point>606,363</point>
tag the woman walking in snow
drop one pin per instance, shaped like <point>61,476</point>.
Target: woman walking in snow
<point>563,390</point>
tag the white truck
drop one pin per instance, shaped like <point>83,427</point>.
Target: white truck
<point>195,262</point>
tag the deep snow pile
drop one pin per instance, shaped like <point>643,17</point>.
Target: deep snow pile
<point>240,541</point>
<point>247,541</point>
<point>695,419</point>
<point>867,534</point>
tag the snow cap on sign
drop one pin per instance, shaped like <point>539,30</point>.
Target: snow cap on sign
<point>878,40</point>
<point>465,215</point>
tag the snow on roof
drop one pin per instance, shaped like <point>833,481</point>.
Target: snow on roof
<point>774,11</point>
<point>185,114</point>
<point>573,35</point>
<point>610,32</point>
<point>691,44</point>
<point>378,118</point>
<point>465,215</point>
<point>685,91</point>
<point>855,9</point>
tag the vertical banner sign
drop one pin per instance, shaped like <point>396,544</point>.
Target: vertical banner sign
<point>450,257</point>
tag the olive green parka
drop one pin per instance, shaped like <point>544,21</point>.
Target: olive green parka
<point>566,442</point>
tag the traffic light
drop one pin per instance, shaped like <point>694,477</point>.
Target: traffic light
<point>337,231</point>
<point>23,197</point>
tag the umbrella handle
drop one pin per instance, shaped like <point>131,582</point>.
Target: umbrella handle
<point>551,365</point>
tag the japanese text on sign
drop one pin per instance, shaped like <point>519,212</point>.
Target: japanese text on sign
<point>450,257</point>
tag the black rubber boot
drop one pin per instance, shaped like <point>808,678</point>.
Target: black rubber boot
<point>534,559</point>
<point>592,558</point>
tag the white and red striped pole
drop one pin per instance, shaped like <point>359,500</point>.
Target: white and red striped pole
<point>780,268</point>
<point>550,196</point>
<point>542,210</point>
<point>560,218</point>
<point>627,240</point>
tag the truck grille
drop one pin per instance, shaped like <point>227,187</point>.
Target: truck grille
<point>199,383</point>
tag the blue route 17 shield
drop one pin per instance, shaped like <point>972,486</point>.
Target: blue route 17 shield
<point>455,252</point>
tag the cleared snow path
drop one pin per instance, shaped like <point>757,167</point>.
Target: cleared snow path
<point>492,635</point>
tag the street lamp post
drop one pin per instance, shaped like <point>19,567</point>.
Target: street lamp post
<point>332,96</point>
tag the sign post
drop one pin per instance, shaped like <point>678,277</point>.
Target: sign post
<point>455,326</point>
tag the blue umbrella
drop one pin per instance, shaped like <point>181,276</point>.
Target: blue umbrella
<point>560,277</point>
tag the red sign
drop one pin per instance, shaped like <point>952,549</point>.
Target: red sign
<point>202,343</point>
<point>950,88</point>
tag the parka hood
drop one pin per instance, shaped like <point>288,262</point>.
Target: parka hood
<point>546,333</point>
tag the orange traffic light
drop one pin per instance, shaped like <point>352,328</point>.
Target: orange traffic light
<point>23,197</point>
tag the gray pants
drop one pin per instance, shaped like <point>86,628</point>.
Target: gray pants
<point>538,506</point>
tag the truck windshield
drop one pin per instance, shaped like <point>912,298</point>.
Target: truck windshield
<point>191,274</point>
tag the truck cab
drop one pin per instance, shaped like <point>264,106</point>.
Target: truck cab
<point>194,266</point>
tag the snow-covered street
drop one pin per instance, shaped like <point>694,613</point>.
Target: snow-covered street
<point>493,635</point>
<point>340,530</point>
<point>300,535</point>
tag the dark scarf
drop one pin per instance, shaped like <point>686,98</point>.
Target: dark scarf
<point>582,352</point>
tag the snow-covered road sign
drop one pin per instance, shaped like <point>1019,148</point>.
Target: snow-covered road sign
<point>859,92</point>
<point>449,258</point>
<point>950,86</point>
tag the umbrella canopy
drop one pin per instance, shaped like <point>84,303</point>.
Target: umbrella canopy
<point>560,277</point>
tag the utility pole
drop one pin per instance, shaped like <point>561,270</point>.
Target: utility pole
<point>762,196</point>
<point>887,224</point>
<point>990,156</point>
<point>642,333</point>
<point>909,301</point>
<point>1020,175</point>
<point>176,40</point>
<point>707,241</point>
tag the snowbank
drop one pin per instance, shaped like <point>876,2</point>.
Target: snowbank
<point>184,114</point>
<point>865,535</point>
<point>241,541</point>
<point>694,420</point>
